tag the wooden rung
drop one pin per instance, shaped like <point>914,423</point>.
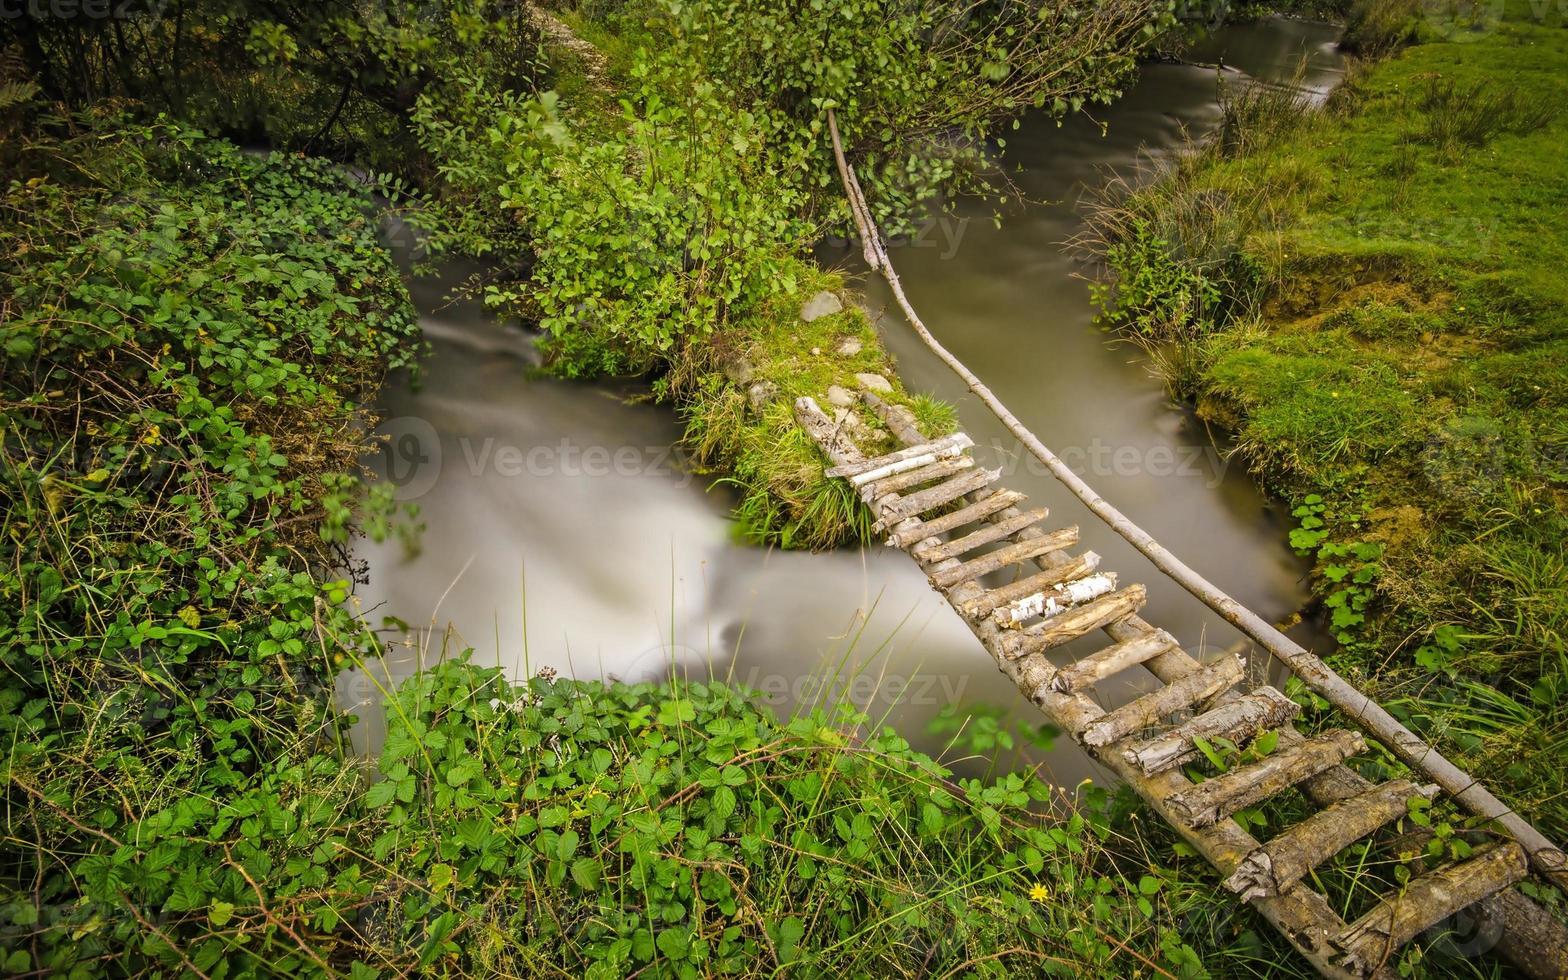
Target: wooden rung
<point>984,536</point>
<point>999,501</point>
<point>983,604</point>
<point>1011,554</point>
<point>1239,721</point>
<point>1067,626</point>
<point>870,469</point>
<point>1112,660</point>
<point>915,477</point>
<point>1179,695</point>
<point>1215,799</point>
<point>1373,939</point>
<point>933,497</point>
<point>1052,601</point>
<point>1294,852</point>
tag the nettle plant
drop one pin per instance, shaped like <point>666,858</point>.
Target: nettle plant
<point>1351,567</point>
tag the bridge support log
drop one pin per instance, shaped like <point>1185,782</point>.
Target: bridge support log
<point>1428,900</point>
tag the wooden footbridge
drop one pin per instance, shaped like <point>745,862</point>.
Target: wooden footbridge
<point>1025,591</point>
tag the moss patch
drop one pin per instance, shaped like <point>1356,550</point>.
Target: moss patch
<point>740,420</point>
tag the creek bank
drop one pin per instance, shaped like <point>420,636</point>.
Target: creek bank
<point>1368,296</point>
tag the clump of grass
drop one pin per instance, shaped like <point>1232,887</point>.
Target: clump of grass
<point>1257,114</point>
<point>1378,28</point>
<point>1461,114</point>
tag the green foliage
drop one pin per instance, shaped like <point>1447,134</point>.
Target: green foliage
<point>655,234</point>
<point>919,88</point>
<point>189,330</point>
<point>606,830</point>
<point>328,77</point>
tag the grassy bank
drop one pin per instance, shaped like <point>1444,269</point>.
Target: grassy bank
<point>1370,297</point>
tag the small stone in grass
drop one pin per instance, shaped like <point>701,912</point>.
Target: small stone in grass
<point>874,382</point>
<point>821,305</point>
<point>850,347</point>
<point>840,397</point>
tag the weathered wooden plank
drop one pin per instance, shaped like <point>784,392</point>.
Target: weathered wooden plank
<point>870,469</point>
<point>1427,900</point>
<point>1295,851</point>
<point>1112,660</point>
<point>1073,623</point>
<point>1011,554</point>
<point>933,497</point>
<point>1050,602</point>
<point>915,477</point>
<point>904,537</point>
<point>1244,718</point>
<point>1215,799</point>
<point>1072,568</point>
<point>1179,695</point>
<point>984,536</point>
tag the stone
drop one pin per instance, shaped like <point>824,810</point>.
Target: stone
<point>849,347</point>
<point>874,382</point>
<point>850,422</point>
<point>840,397</point>
<point>821,305</point>
<point>737,368</point>
<point>760,393</point>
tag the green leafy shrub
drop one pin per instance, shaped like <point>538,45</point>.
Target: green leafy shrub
<point>643,239</point>
<point>188,333</point>
<point>920,89</point>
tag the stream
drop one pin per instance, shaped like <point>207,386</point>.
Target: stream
<point>563,531</point>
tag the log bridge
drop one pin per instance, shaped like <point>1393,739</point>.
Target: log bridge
<point>1025,593</point>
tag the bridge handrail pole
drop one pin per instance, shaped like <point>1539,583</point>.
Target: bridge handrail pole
<point>1545,856</point>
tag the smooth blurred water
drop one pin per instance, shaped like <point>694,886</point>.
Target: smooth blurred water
<point>563,531</point>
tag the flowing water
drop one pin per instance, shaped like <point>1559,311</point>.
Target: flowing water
<point>562,531</point>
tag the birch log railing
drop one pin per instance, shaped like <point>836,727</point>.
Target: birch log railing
<point>1056,598</point>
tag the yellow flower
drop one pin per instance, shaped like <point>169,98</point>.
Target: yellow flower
<point>1039,893</point>
<point>152,436</point>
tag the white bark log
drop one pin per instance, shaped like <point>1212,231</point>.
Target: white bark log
<point>1059,598</point>
<point>1070,569</point>
<point>951,445</point>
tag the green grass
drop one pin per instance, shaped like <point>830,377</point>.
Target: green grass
<point>1371,296</point>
